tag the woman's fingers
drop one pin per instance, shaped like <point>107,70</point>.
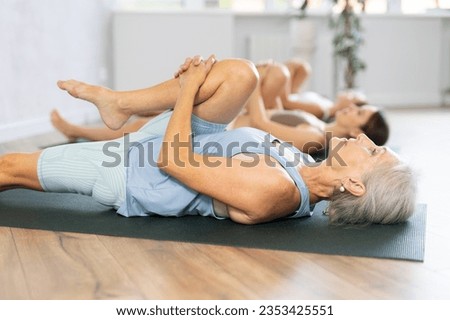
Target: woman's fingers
<point>186,64</point>
<point>183,67</point>
<point>195,61</point>
<point>210,62</point>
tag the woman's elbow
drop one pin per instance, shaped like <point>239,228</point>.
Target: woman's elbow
<point>254,217</point>
<point>244,219</point>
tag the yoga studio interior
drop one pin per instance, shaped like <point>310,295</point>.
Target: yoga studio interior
<point>392,56</point>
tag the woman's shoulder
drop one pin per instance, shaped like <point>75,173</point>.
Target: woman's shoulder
<point>282,193</point>
<point>274,192</point>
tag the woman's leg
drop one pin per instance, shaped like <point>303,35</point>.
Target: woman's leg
<point>273,80</point>
<point>220,98</point>
<point>299,71</point>
<point>74,132</point>
<point>83,168</point>
<point>19,170</point>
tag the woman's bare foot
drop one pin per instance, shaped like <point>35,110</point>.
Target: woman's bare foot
<point>104,99</point>
<point>63,126</point>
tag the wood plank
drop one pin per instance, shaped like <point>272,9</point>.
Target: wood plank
<point>176,270</point>
<point>13,285</point>
<point>169,270</point>
<point>70,266</point>
<point>287,275</point>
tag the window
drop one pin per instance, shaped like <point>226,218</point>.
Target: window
<point>443,4</point>
<point>399,6</point>
<point>376,6</point>
<point>417,6</point>
<point>371,6</point>
<point>149,4</point>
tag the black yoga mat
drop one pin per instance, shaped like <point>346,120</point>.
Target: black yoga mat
<point>75,213</point>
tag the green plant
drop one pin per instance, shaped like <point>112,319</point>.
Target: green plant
<point>347,41</point>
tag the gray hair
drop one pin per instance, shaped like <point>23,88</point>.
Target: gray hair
<point>389,198</point>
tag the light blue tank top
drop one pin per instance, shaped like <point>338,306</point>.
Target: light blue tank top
<point>151,191</point>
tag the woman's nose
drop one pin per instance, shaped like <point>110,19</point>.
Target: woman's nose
<point>362,138</point>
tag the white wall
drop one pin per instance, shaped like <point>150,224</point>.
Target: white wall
<point>445,57</point>
<point>41,42</point>
<point>404,62</point>
<point>149,46</point>
<point>247,26</point>
<point>405,55</point>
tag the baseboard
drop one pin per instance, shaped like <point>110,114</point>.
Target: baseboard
<point>28,128</point>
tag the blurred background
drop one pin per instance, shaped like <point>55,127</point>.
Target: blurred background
<point>404,46</point>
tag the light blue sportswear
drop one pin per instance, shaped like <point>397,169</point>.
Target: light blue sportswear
<point>135,186</point>
<point>82,167</point>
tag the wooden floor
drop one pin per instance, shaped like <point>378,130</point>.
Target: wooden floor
<point>53,265</point>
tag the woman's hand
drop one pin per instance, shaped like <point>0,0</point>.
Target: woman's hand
<point>343,101</point>
<point>198,69</point>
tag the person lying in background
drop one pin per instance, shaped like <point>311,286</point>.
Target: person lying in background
<point>303,130</point>
<point>306,132</point>
<point>192,166</point>
<point>281,84</point>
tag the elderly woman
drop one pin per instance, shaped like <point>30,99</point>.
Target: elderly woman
<point>183,162</point>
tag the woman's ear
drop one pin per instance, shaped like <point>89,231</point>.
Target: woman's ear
<point>354,186</point>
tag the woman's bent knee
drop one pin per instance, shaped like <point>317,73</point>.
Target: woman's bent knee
<point>247,71</point>
<point>231,84</point>
<point>278,75</point>
<point>241,72</point>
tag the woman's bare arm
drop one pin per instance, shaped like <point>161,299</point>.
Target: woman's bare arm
<point>259,192</point>
<point>310,107</point>
<point>304,137</point>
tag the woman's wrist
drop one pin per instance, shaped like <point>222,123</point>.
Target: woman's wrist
<point>190,86</point>
<point>188,90</point>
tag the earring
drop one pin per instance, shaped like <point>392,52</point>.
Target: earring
<point>341,188</point>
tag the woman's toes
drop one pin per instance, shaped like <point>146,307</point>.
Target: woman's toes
<point>73,87</point>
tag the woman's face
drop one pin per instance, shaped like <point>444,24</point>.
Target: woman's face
<point>354,157</point>
<point>355,117</point>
